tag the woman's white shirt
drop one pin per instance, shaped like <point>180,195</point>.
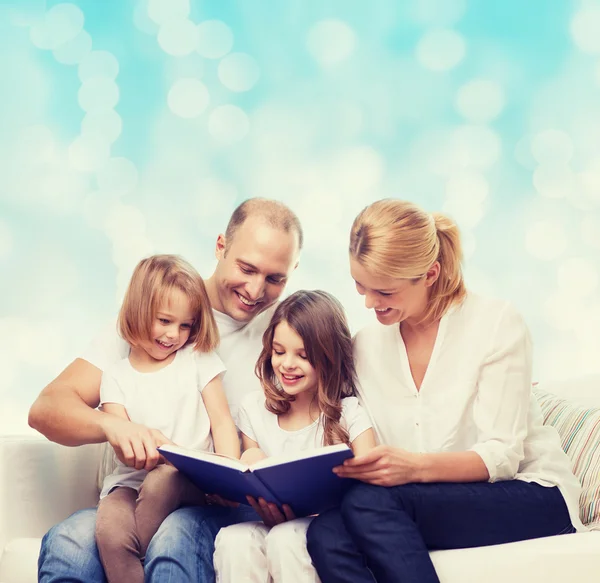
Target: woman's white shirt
<point>476,395</point>
<point>262,426</point>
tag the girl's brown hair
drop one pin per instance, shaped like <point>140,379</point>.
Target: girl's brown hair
<point>152,280</point>
<point>319,319</point>
<point>397,239</point>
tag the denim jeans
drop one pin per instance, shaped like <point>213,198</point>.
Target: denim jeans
<point>385,534</point>
<point>181,550</point>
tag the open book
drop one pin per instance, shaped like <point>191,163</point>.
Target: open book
<point>304,480</point>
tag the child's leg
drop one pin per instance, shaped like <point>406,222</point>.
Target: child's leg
<point>287,558</point>
<point>240,553</point>
<point>116,537</point>
<point>163,491</point>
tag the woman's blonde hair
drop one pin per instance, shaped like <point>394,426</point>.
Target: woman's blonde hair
<point>397,239</point>
<point>319,319</point>
<point>152,280</point>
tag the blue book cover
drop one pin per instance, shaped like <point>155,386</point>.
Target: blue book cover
<point>304,480</point>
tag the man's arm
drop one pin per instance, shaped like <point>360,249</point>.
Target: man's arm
<point>65,411</point>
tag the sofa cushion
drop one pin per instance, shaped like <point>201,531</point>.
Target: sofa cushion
<point>579,430</point>
<point>18,563</point>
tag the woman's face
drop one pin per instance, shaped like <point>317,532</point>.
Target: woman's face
<point>394,300</point>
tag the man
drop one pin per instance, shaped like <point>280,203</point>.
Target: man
<point>255,258</point>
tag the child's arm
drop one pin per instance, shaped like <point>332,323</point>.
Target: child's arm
<point>363,443</point>
<point>222,427</point>
<point>252,453</point>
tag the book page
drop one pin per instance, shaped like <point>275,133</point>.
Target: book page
<point>307,453</point>
<point>214,458</point>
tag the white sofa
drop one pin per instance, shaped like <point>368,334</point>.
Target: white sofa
<point>42,483</point>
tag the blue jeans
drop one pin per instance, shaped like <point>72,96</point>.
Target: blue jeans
<point>180,551</point>
<point>385,534</point>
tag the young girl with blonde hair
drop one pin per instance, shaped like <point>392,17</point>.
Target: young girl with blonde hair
<point>307,372</point>
<point>169,382</point>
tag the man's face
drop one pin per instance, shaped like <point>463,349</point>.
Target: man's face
<point>252,274</point>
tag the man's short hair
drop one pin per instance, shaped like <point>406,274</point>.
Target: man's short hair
<point>272,212</point>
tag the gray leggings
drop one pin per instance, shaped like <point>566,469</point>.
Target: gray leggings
<point>126,521</point>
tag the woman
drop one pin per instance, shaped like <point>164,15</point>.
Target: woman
<point>464,458</point>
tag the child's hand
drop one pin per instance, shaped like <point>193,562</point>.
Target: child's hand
<point>216,500</point>
<point>135,445</point>
<point>253,455</point>
<point>270,513</point>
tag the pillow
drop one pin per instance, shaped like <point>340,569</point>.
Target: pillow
<point>579,430</point>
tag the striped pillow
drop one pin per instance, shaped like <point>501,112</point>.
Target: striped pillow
<point>579,430</point>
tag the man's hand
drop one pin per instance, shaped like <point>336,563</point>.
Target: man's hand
<point>383,466</point>
<point>270,513</point>
<point>135,445</point>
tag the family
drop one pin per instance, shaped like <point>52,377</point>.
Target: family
<point>434,399</point>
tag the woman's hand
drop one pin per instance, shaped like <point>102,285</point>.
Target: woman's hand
<point>383,466</point>
<point>270,513</point>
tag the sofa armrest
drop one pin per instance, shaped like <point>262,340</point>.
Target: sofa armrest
<point>41,483</point>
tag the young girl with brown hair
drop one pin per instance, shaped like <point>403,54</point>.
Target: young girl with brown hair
<point>170,382</point>
<point>307,372</point>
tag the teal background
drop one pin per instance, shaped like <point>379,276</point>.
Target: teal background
<point>133,127</point>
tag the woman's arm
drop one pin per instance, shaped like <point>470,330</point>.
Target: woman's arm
<point>392,466</point>
<point>222,427</point>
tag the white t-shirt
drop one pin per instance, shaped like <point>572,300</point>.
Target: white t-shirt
<point>239,349</point>
<point>476,395</point>
<point>169,399</point>
<point>263,427</point>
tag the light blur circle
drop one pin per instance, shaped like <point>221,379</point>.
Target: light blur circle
<point>238,72</point>
<point>103,125</point>
<point>585,29</point>
<point>215,39</point>
<point>141,19</point>
<point>590,231</point>
<point>331,42</point>
<point>75,50</point>
<point>480,100</point>
<point>552,147</point>
<point>523,153</point>
<point>578,276</point>
<point>60,24</point>
<point>188,97</point>
<point>476,146</point>
<point>440,50</point>
<point>357,169</point>
<point>88,154</point>
<point>163,11</point>
<point>437,12</point>
<point>98,94</point>
<point>546,240</point>
<point>98,64</point>
<point>554,181</point>
<point>228,124</point>
<point>6,240</point>
<point>118,175</point>
<point>467,187</point>
<point>178,37</point>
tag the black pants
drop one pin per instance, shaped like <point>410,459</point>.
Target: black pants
<point>385,534</point>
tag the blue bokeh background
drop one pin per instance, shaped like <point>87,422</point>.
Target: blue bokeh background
<point>131,127</point>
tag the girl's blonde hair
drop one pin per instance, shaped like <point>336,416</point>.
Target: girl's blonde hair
<point>319,319</point>
<point>152,280</point>
<point>397,239</point>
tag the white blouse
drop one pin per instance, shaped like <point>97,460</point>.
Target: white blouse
<point>476,396</point>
